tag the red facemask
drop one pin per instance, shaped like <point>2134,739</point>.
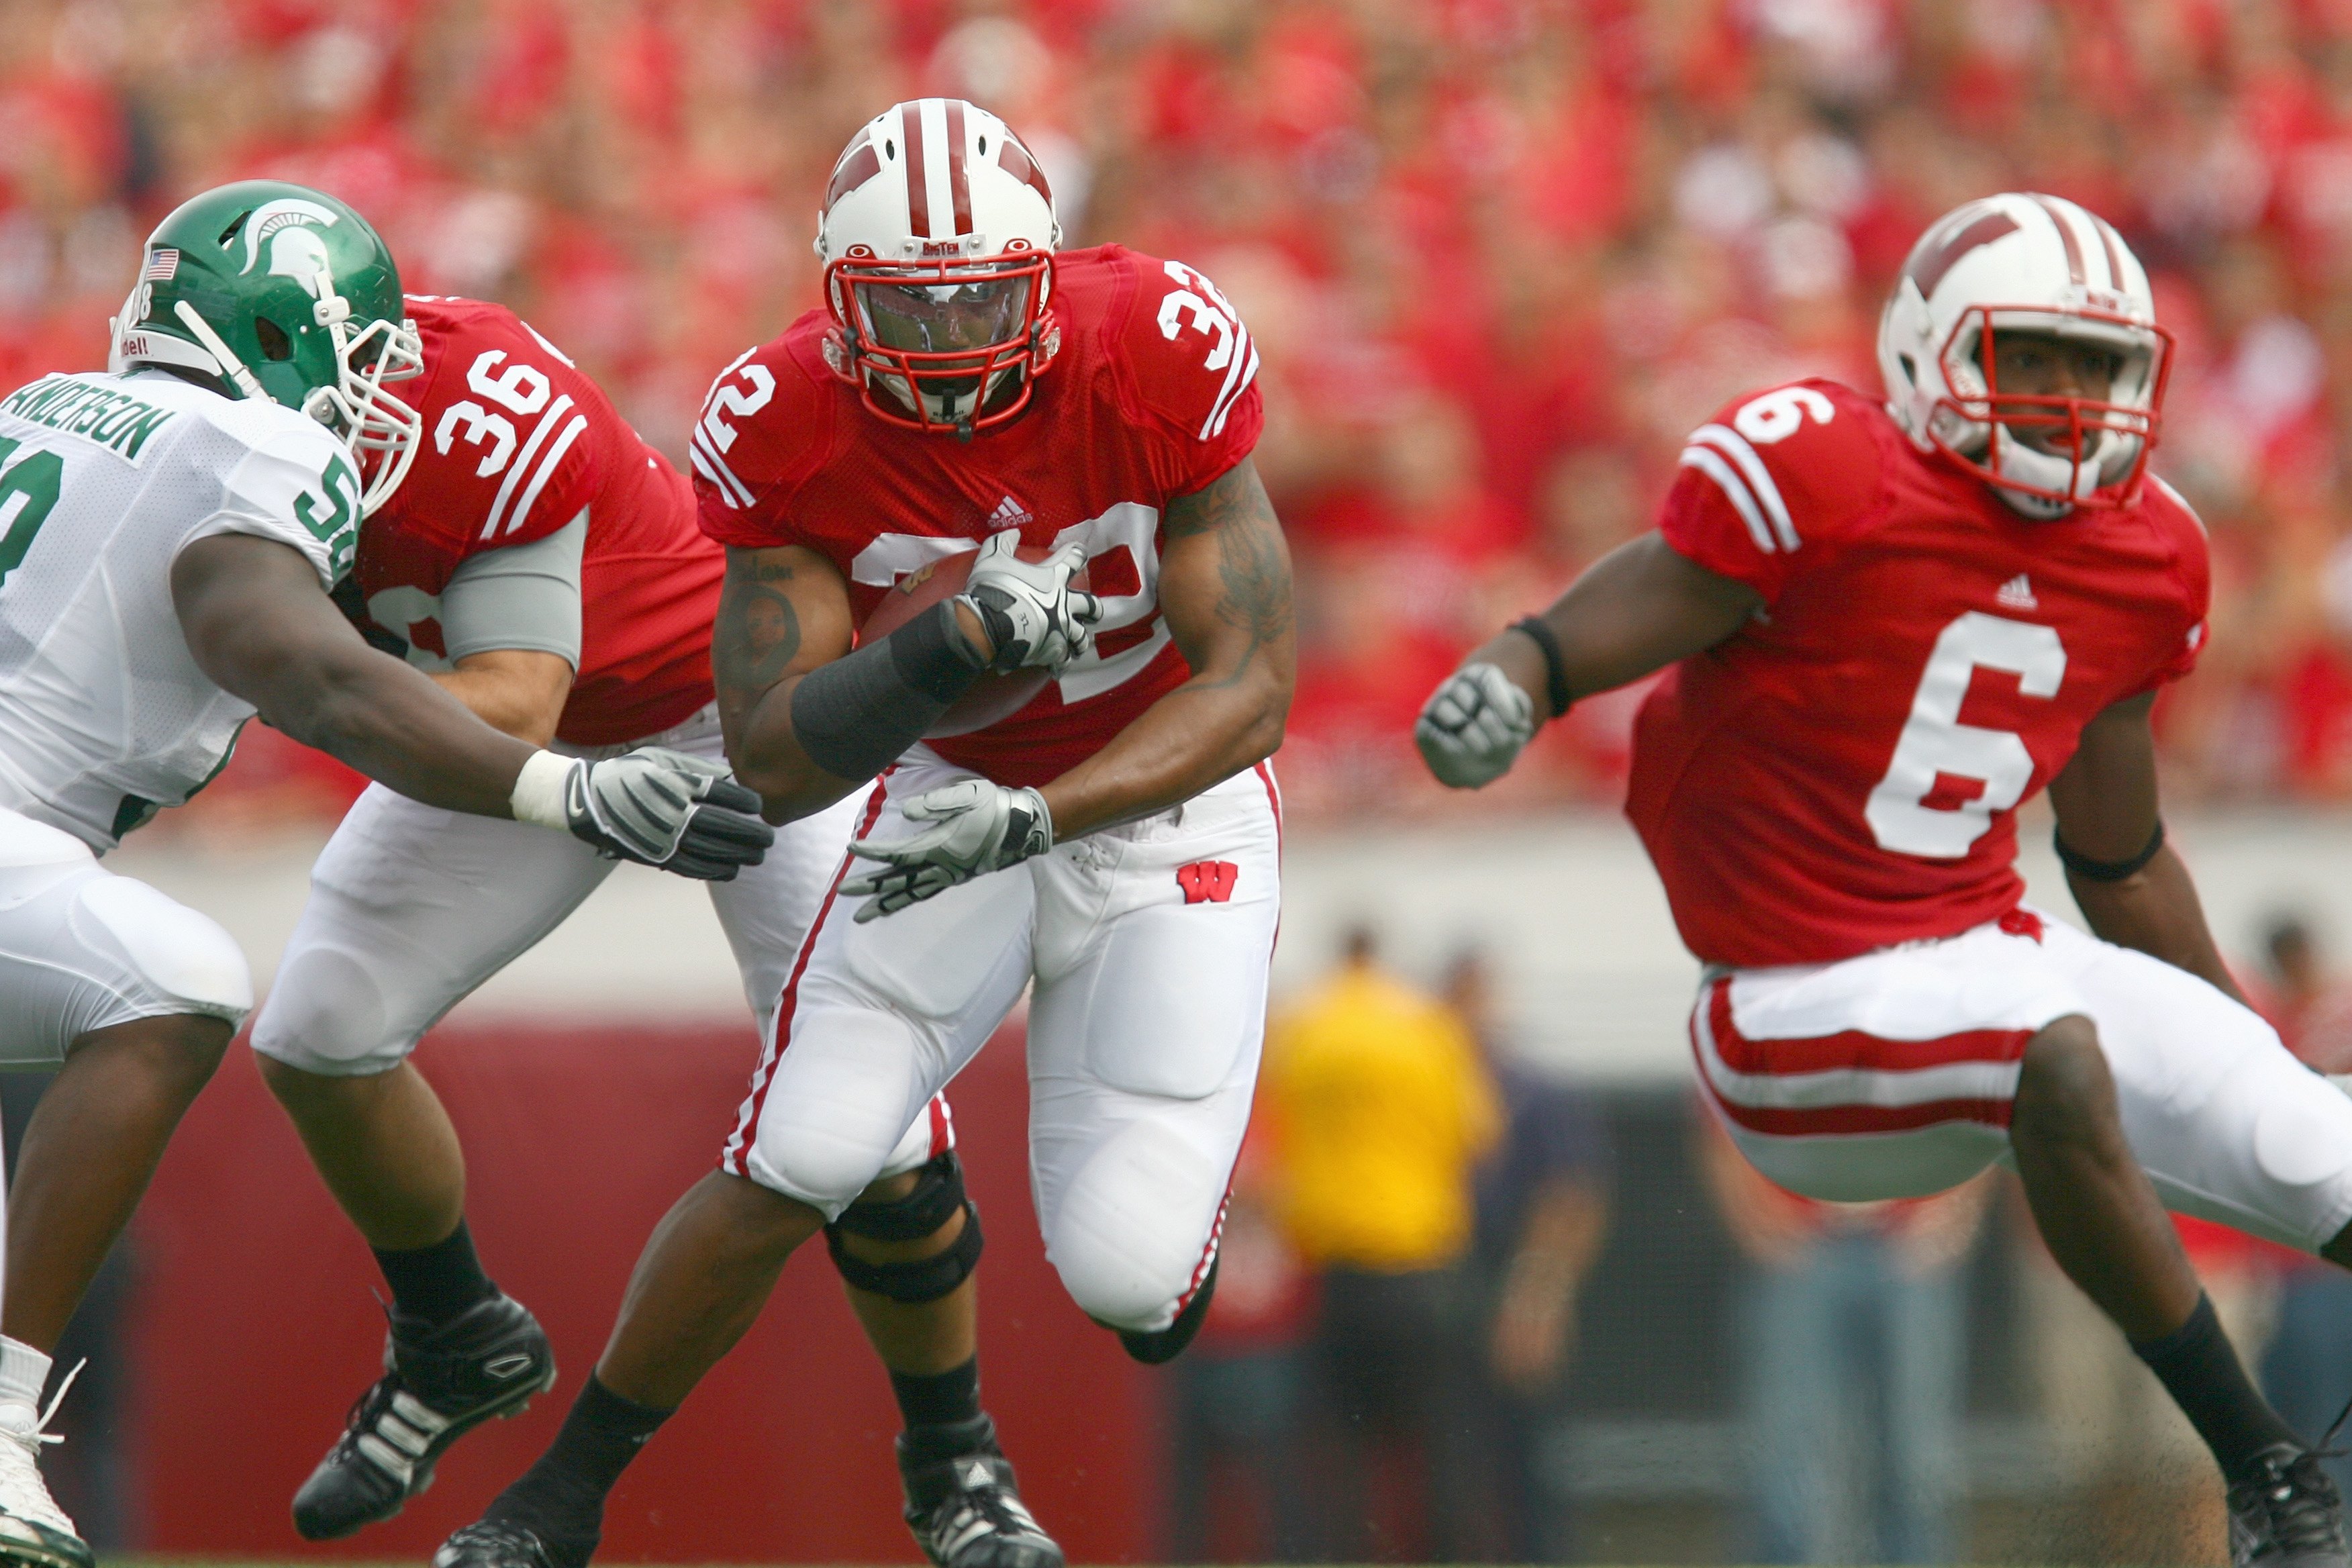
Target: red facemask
<point>2080,421</point>
<point>952,345</point>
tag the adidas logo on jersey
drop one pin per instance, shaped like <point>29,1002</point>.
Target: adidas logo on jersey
<point>2017,593</point>
<point>1008,513</point>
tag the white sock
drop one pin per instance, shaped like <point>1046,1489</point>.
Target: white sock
<point>24,1371</point>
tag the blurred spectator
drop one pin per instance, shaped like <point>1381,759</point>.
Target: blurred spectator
<point>1498,256</point>
<point>1375,1096</point>
<point>1237,1491</point>
<point>1542,1209</point>
<point>2305,1000</point>
<point>2308,1370</point>
<point>1854,1349</point>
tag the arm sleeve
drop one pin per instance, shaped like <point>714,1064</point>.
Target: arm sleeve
<point>525,597</point>
<point>1194,370</point>
<point>295,486</point>
<point>1767,477</point>
<point>513,435</point>
<point>765,427</point>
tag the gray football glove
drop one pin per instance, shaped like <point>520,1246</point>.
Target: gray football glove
<point>665,808</point>
<point>1034,618</point>
<point>976,828</point>
<point>1473,726</point>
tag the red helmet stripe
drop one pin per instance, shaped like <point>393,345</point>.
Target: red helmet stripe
<point>2066,232</point>
<point>2114,248</point>
<point>919,190</point>
<point>958,183</point>
<point>1931,262</point>
<point>1014,160</point>
<point>858,164</point>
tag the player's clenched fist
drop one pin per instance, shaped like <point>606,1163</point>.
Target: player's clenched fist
<point>1033,617</point>
<point>1473,726</point>
<point>976,828</point>
<point>652,806</point>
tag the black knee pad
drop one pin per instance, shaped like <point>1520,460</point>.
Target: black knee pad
<point>936,1197</point>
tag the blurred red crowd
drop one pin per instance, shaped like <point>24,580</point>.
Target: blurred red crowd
<point>1500,255</point>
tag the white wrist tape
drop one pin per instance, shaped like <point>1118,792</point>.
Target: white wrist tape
<point>537,794</point>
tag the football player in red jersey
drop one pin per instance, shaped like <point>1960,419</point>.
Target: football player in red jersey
<point>1889,624</point>
<point>544,565</point>
<point>1114,844</point>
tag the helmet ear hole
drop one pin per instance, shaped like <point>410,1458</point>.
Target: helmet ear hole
<point>275,345</point>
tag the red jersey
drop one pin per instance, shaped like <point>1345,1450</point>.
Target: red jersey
<point>1150,397</point>
<point>516,442</point>
<point>1843,773</point>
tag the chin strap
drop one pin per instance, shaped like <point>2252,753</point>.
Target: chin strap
<point>230,365</point>
<point>2012,458</point>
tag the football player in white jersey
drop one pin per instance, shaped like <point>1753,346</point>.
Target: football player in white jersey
<point>169,534</point>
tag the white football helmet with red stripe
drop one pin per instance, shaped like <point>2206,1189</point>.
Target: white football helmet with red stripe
<point>2023,262</point>
<point>938,237</point>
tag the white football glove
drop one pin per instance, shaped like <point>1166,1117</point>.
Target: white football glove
<point>1034,618</point>
<point>977,827</point>
<point>1473,726</point>
<point>665,808</point>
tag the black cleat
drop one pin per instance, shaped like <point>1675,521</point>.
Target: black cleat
<point>964,1509</point>
<point>487,1544</point>
<point>1166,1344</point>
<point>2288,1515</point>
<point>437,1385</point>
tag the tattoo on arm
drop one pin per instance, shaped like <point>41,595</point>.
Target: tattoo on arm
<point>758,633</point>
<point>1251,562</point>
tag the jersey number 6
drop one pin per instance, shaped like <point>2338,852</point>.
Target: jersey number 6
<point>1936,746</point>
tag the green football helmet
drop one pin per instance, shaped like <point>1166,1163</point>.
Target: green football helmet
<point>283,292</point>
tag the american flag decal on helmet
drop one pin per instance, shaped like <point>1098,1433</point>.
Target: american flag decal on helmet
<point>162,265</point>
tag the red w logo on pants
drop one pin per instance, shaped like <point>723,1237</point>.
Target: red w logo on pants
<point>1207,882</point>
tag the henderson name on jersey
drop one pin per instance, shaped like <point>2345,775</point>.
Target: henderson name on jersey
<point>1843,773</point>
<point>518,446</point>
<point>1152,396</point>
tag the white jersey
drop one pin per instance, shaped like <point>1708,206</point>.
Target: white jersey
<point>104,479</point>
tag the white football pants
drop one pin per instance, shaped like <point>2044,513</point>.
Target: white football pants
<point>1891,1074</point>
<point>82,948</point>
<point>1148,946</point>
<point>413,906</point>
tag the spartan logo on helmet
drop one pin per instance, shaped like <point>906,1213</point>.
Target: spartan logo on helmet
<point>296,250</point>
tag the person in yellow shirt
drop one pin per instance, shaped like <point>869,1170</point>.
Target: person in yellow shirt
<point>1378,1108</point>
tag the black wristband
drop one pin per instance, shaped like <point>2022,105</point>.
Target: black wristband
<point>2092,870</point>
<point>1555,665</point>
<point>858,714</point>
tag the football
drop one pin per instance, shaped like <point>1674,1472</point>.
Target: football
<point>993,697</point>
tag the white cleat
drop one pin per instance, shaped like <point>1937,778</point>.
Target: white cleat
<point>34,1531</point>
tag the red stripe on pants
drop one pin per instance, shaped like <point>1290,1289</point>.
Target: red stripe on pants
<point>747,1126</point>
<point>1831,1053</point>
<point>1851,1050</point>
